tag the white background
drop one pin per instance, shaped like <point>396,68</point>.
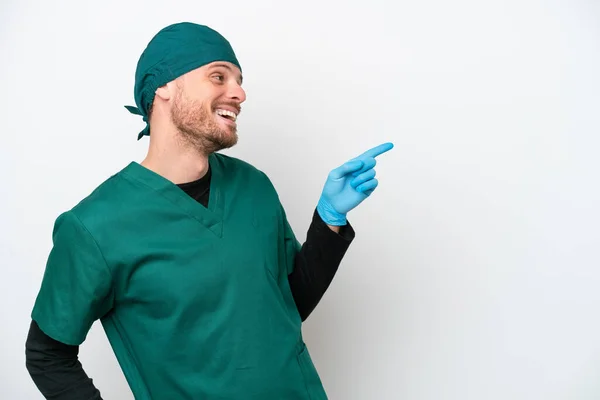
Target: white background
<point>475,273</point>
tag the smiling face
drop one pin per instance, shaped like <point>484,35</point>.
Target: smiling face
<point>206,105</point>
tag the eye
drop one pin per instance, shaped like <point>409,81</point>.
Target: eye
<point>219,78</point>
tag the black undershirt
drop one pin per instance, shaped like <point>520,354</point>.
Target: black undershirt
<point>57,371</point>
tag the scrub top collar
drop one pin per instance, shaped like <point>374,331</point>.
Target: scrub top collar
<point>211,217</point>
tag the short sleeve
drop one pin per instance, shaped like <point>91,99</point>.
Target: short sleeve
<point>76,287</point>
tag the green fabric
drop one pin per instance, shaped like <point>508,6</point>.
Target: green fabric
<point>175,50</point>
<point>195,301</point>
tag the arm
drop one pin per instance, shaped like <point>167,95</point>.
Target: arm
<point>55,368</point>
<point>330,234</point>
<point>76,290</point>
<point>317,262</point>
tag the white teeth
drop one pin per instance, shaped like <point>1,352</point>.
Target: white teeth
<point>227,113</point>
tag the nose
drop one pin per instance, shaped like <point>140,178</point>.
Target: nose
<point>237,93</point>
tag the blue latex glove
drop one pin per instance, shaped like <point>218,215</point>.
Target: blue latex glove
<point>349,185</point>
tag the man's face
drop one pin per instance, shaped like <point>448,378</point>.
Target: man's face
<point>206,105</point>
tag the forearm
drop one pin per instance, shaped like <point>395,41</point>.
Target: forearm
<point>317,262</point>
<point>55,368</point>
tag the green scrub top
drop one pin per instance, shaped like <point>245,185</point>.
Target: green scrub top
<point>194,300</point>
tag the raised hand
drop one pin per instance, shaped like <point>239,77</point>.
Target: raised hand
<point>349,185</point>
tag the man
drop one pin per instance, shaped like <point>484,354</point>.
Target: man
<point>187,258</point>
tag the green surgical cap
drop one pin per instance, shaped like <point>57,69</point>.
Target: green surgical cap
<point>172,52</point>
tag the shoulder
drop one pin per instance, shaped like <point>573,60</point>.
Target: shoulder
<point>242,168</point>
<point>112,198</point>
<point>234,162</point>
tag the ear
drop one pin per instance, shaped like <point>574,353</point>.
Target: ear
<point>168,91</point>
<point>164,92</point>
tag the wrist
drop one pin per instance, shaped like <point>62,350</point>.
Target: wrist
<point>329,215</point>
<point>335,228</point>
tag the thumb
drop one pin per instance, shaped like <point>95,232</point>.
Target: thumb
<point>345,169</point>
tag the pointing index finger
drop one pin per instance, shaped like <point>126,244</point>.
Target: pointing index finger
<point>378,150</point>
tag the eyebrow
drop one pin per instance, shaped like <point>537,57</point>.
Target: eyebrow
<point>226,66</point>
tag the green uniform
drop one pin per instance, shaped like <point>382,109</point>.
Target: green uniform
<point>195,301</point>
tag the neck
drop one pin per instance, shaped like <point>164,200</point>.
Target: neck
<point>174,160</point>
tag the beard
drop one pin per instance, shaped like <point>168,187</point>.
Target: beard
<point>198,127</point>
